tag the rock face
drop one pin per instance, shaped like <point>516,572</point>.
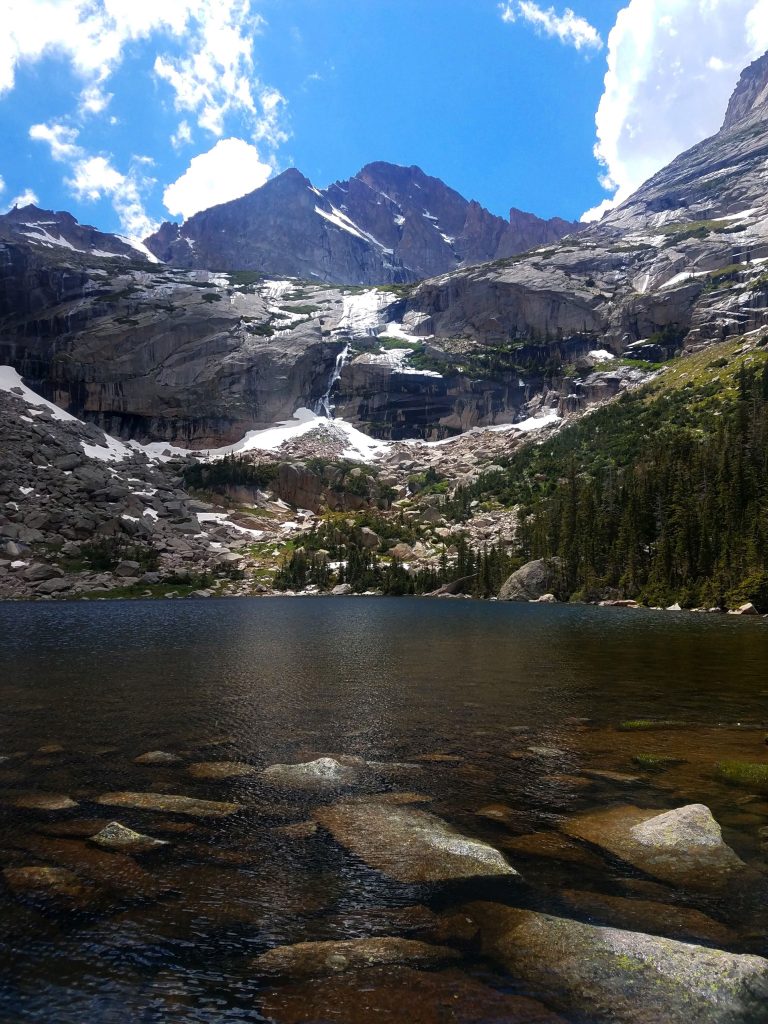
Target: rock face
<point>531,582</point>
<point>387,224</point>
<point>751,93</point>
<point>683,846</point>
<point>410,845</point>
<point>623,977</point>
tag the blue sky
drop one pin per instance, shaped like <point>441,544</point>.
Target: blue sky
<point>128,112</point>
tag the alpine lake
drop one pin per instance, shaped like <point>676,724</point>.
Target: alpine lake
<point>472,775</point>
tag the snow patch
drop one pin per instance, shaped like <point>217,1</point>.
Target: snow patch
<point>138,245</point>
<point>343,222</point>
<point>11,381</point>
<point>361,314</point>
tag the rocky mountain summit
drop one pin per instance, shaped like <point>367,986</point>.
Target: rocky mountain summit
<point>59,230</point>
<point>387,224</point>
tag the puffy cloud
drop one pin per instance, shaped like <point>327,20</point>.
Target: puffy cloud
<point>93,99</point>
<point>61,139</point>
<point>23,199</point>
<point>569,27</point>
<point>232,168</point>
<point>94,177</point>
<point>2,184</point>
<point>213,77</point>
<point>672,65</point>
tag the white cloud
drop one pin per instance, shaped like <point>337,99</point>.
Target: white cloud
<point>2,184</point>
<point>672,65</point>
<point>61,139</point>
<point>182,135</point>
<point>94,177</point>
<point>212,77</point>
<point>23,199</point>
<point>569,27</point>
<point>232,168</point>
<point>93,99</point>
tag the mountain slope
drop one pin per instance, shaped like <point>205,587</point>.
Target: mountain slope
<point>60,231</point>
<point>387,224</point>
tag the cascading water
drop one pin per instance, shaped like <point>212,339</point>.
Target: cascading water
<point>323,405</point>
<point>361,315</point>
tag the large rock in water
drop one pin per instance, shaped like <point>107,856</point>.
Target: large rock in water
<point>532,581</point>
<point>323,773</point>
<point>611,976</point>
<point>683,846</point>
<point>410,845</point>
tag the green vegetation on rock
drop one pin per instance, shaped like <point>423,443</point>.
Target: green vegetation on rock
<point>751,774</point>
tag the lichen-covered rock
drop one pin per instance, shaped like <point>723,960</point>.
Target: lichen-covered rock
<point>115,836</point>
<point>410,845</point>
<point>683,846</point>
<point>613,976</point>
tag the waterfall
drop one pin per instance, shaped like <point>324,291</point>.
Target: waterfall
<point>323,406</point>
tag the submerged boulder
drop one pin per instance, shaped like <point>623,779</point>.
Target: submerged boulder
<point>45,881</point>
<point>683,846</point>
<point>45,802</point>
<point>221,769</point>
<point>157,757</point>
<point>410,845</point>
<point>170,804</point>
<point>393,995</point>
<point>314,959</point>
<point>612,976</point>
<point>676,922</point>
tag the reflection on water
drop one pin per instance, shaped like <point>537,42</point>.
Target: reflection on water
<point>493,708</point>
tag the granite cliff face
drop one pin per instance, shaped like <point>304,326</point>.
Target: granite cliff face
<point>678,265</point>
<point>751,93</point>
<point>388,224</point>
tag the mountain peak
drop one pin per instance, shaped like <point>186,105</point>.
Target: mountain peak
<point>750,94</point>
<point>388,223</point>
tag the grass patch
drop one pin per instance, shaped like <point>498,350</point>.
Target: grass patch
<point>750,774</point>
